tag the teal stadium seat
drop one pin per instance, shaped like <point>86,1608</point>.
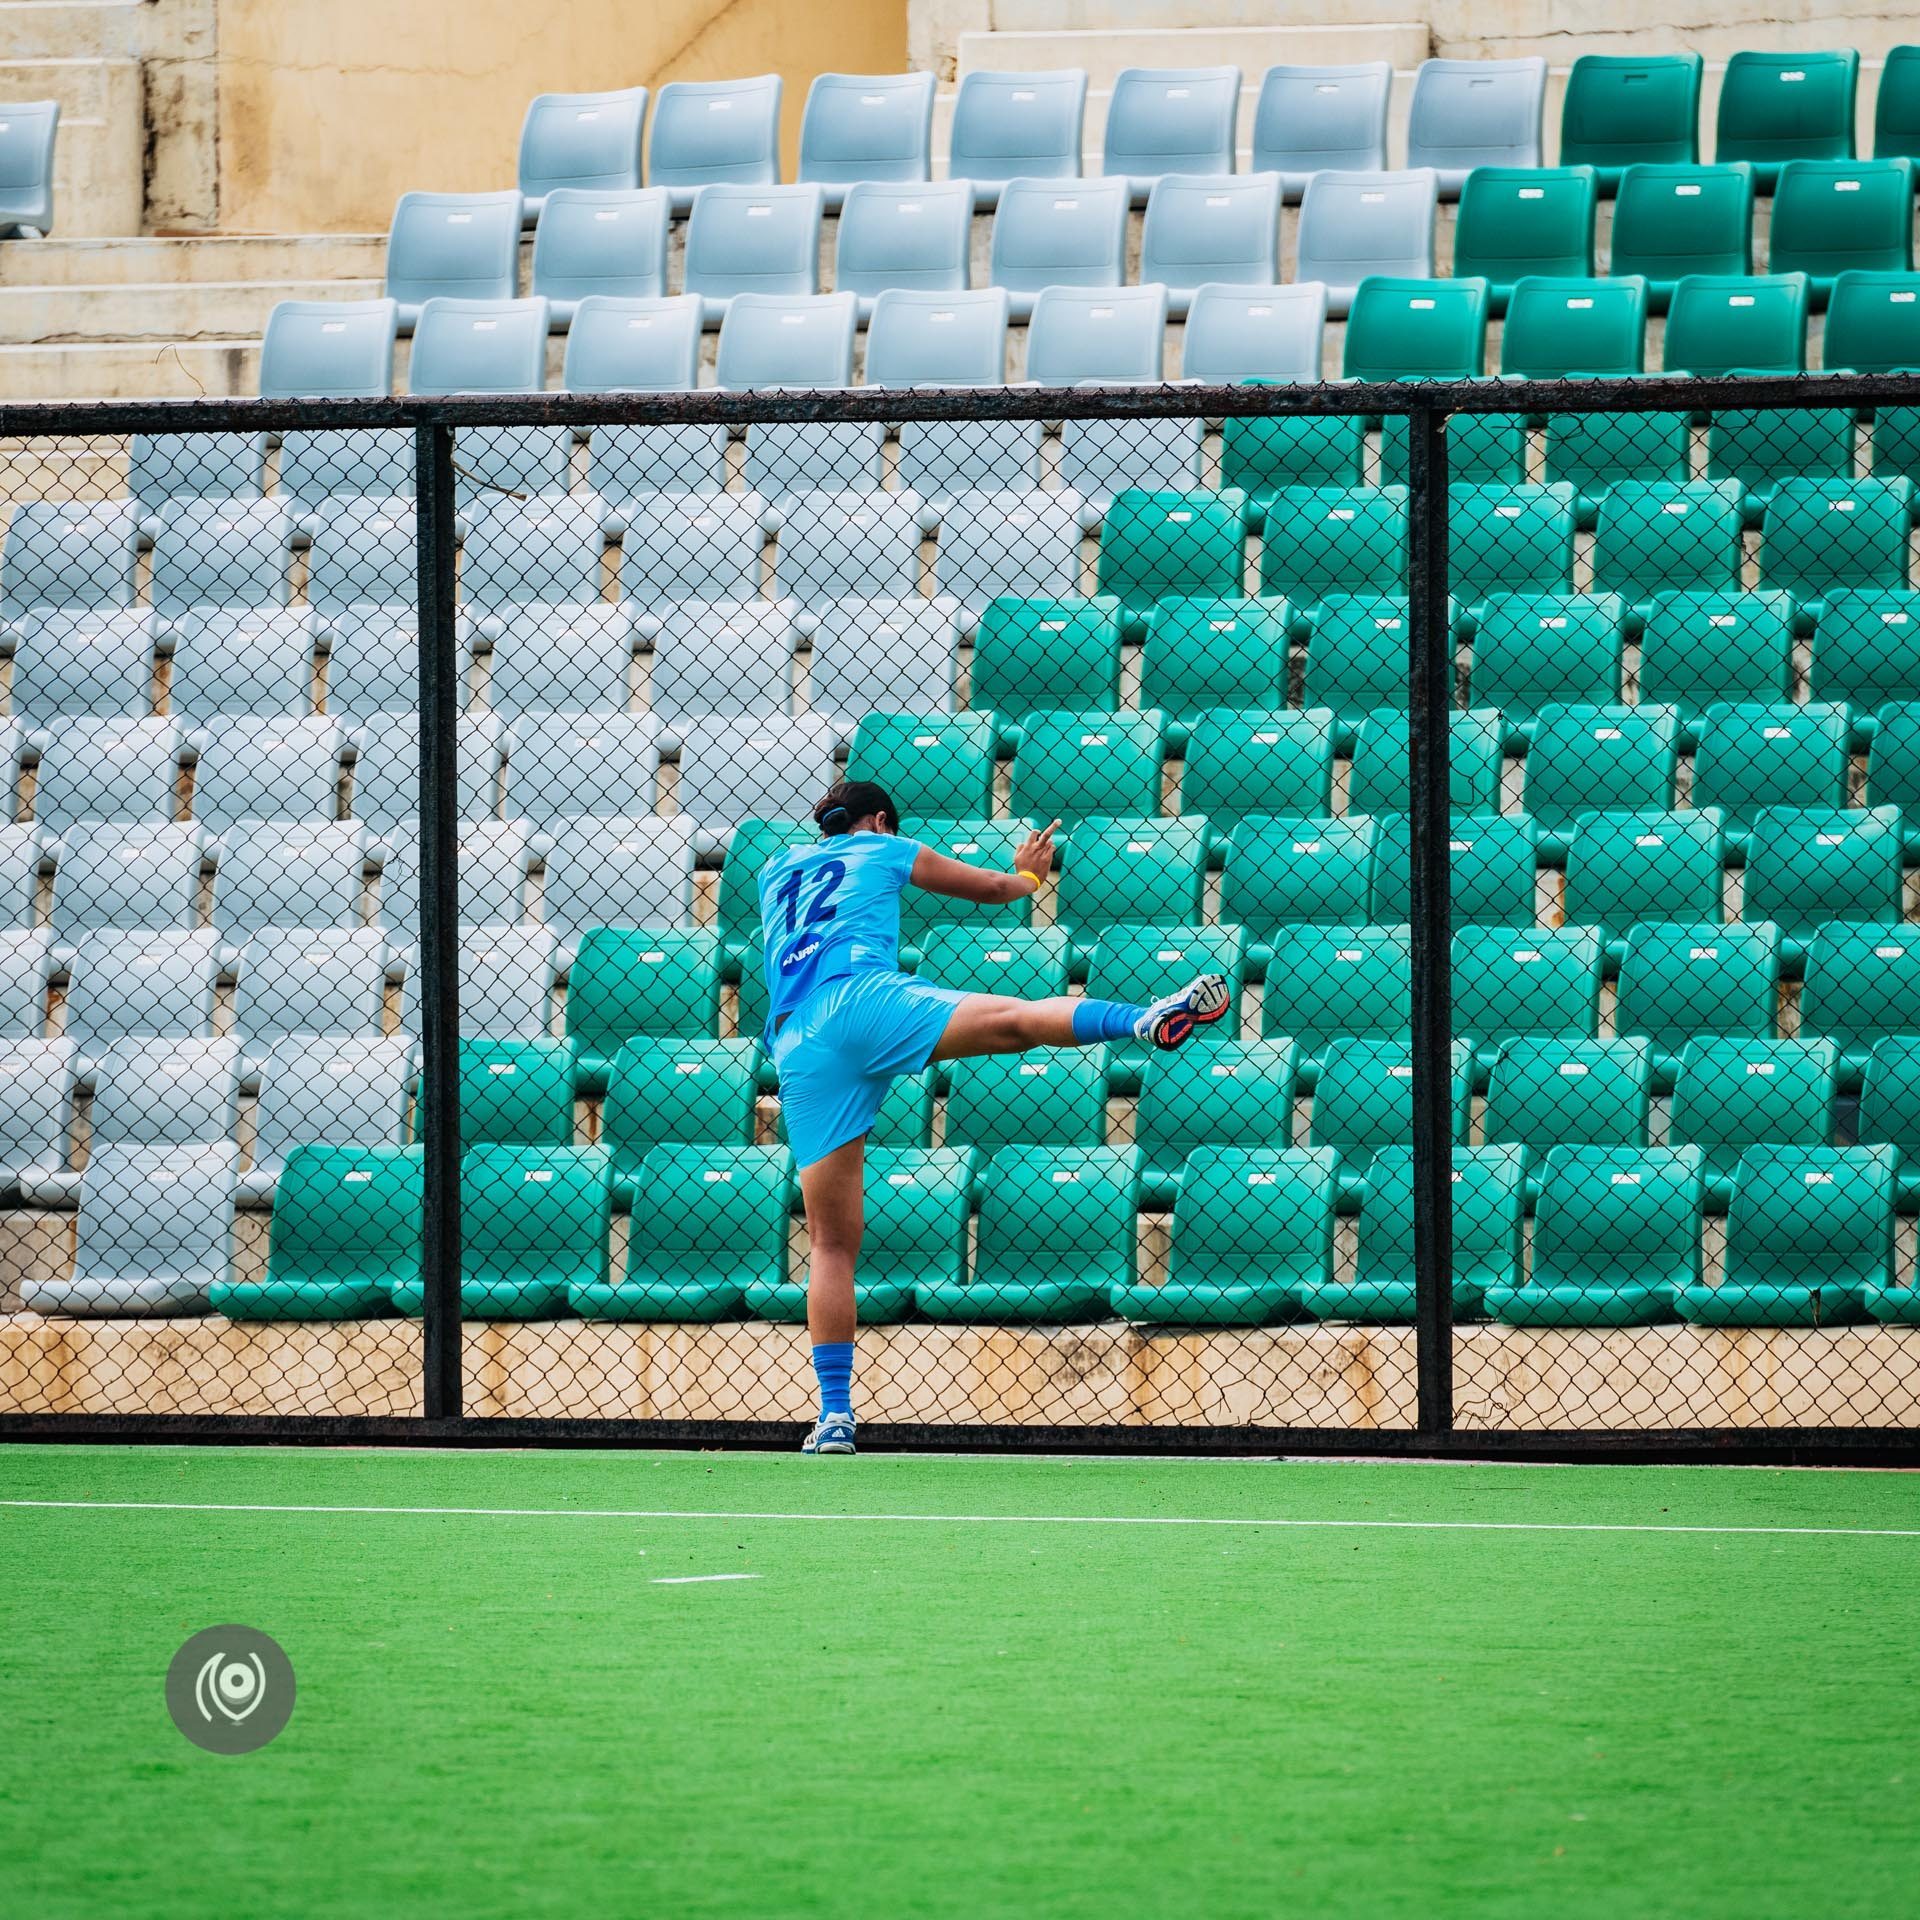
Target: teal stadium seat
<point>1138,964</point>
<point>1519,222</point>
<point>1616,1238</point>
<point>1699,648</point>
<point>1357,658</point>
<point>1682,981</point>
<point>1247,760</point>
<point>1074,764</point>
<point>715,1223</point>
<point>1598,759</point>
<point>1670,220</point>
<point>1038,1099</point>
<point>1328,983</point>
<point>1024,963</point>
<point>1873,322</point>
<point>935,765</point>
<point>1777,107</point>
<point>1625,868</point>
<point>1596,453</point>
<point>1893,769</point>
<point>678,1093</point>
<point>1624,110</point>
<point>1730,1095</point>
<point>1510,539</point>
<point>1134,869</point>
<point>1220,652</point>
<point>1558,327</point>
<point>1866,650</point>
<point>1030,654</point>
<point>1297,871</point>
<point>1841,216</point>
<point>1235,1093</point>
<point>1264,455</point>
<point>1809,865</point>
<point>1773,754</point>
<point>1363,1098</point>
<point>1377,776</point>
<point>629,982</point>
<point>1532,649</point>
<point>1655,537</point>
<point>1889,1115</point>
<point>1407,329</point>
<point>1737,323</point>
<point>1334,540</point>
<point>1896,107</point>
<point>516,1093</point>
<point>1252,1228</point>
<point>1862,987</point>
<point>1491,860</point>
<point>1544,1094</point>
<point>1512,983</point>
<point>1154,546</point>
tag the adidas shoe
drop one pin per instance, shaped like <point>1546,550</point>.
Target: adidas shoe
<point>1198,1004</point>
<point>833,1434</point>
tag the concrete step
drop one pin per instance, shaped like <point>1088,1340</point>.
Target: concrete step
<point>1252,48</point>
<point>99,164</point>
<point>72,29</point>
<point>200,369</point>
<point>210,258</point>
<point>196,310</point>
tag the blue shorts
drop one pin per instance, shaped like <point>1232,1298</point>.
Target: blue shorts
<point>844,1046</point>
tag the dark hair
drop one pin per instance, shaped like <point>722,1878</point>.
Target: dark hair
<point>850,800</point>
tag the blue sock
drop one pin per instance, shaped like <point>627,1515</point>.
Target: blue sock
<point>1097,1020</point>
<point>833,1363</point>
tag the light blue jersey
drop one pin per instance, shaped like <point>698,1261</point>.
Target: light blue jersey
<point>828,911</point>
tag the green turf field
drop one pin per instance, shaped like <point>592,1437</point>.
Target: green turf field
<point>963,1687</point>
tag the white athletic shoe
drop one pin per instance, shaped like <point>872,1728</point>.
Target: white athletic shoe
<point>833,1434</point>
<point>1198,1004</point>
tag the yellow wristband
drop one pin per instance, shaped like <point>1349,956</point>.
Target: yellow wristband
<point>1038,883</point>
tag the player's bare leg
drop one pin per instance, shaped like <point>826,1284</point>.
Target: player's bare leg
<point>834,1191</point>
<point>986,1023</point>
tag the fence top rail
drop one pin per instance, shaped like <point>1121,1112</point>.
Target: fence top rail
<point>1649,393</point>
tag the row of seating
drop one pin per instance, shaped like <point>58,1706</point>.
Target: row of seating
<point>857,128</point>
<point>1616,1239</point>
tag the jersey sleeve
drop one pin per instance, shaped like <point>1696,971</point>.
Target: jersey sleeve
<point>901,854</point>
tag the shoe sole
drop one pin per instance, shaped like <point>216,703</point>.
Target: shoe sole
<point>832,1447</point>
<point>1210,1003</point>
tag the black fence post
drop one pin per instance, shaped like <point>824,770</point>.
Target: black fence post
<point>438,959</point>
<point>1430,689</point>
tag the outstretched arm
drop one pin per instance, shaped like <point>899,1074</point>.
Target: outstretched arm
<point>985,885</point>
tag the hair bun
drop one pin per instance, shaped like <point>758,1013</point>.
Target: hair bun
<point>835,820</point>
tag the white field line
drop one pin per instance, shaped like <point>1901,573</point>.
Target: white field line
<point>971,1519</point>
<point>700,1579</point>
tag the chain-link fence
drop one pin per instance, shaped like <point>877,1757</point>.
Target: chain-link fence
<point>384,1034</point>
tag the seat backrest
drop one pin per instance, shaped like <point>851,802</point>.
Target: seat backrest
<point>1253,333</point>
<point>552,659</point>
<point>948,339</point>
<point>460,245</point>
<point>1217,651</point>
<point>1138,965</point>
<point>1170,120</point>
<point>1010,126</point>
<point>1862,984</point>
<point>864,126</point>
<point>290,873</point>
<point>386,771</point>
<point>1085,1232</point>
<point>918,238</point>
<point>364,551</point>
<point>1696,648</point>
<point>240,660</point>
<point>1399,329</point>
<point>602,240</point>
<point>1547,1093</point>
<point>1489,1188</point>
<point>1212,227</point>
<point>1812,1215</point>
<point>1314,119</point>
<point>787,340</point>
<point>1734,1093</point>
<point>1754,323</point>
<point>744,239</point>
<point>1655,536</point>
<point>107,770</point>
<point>935,764</point>
<point>1530,648</point>
<point>1832,216</point>
<point>716,130</point>
<point>311,980</point>
<point>330,349</point>
<point>1511,539</point>
<point>1890,1095</point>
<point>1047,653</point>
<point>1297,870</point>
<point>1050,233</point>
<point>543,551</point>
<point>1332,540</point>
<point>1822,534</point>
<point>229,553</point>
<point>1627,867</point>
<point>1873,320</point>
<point>1783,106</point>
<point>1037,1099</point>
<point>1021,962</point>
<point>1024,543</point>
<point>27,137</point>
<point>479,346</point>
<point>1492,855</point>
<point>728,1213</point>
<point>1135,867</point>
<point>535,1214</point>
<point>1594,757</point>
<point>1809,865</point>
<point>679,1093</point>
<point>68,553</point>
<point>581,140</point>
<point>579,763</point>
<point>1354,224</point>
<point>1896,107</point>
<point>1516,221</point>
<point>1233,1093</point>
<point>1618,1217</point>
<point>1674,220</point>
<point>1154,544</point>
<point>164,467</point>
<point>607,870</point>
<point>1476,113</point>
<point>23,983</point>
<point>1752,754</point>
<point>1513,983</point>
<point>838,546</point>
<point>629,982</point>
<point>516,1092</point>
<point>738,769</point>
<point>691,547</point>
<point>621,345</point>
<point>345,1212</point>
<point>159,984</point>
<point>720,657</point>
<point>1557,327</point>
<point>1260,1214</point>
<point>869,653</point>
<point>156,1227</point>
<point>1252,760</point>
<point>1620,110</point>
<point>166,1093</point>
<point>1070,765</point>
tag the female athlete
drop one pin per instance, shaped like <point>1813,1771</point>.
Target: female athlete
<point>844,1023</point>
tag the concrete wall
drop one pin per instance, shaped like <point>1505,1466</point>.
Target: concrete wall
<point>329,109</point>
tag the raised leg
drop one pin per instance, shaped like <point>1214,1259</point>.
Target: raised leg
<point>834,1190</point>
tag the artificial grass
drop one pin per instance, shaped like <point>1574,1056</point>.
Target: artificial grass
<point>505,1716</point>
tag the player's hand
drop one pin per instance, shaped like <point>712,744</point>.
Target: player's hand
<point>1036,853</point>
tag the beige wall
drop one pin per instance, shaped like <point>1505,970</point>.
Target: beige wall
<point>331,108</point>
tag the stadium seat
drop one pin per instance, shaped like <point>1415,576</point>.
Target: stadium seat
<point>897,651</point>
<point>915,238</point>
<point>106,770</point>
<point>1048,654</point>
<point>1321,119</point>
<point>1475,113</point>
<point>82,665</point>
<point>1015,126</point>
<point>1862,987</point>
<point>1896,443</point>
<point>632,982</point>
<point>938,339</point>
<point>1327,984</point>
<point>1297,872</point>
<point>1363,1097</point>
<point>1557,328</point>
<point>1253,333</point>
<point>1158,545</point>
<point>1254,760</point>
<point>1893,771</point>
<point>75,554</point>
<point>386,772</point>
<point>560,764</point>
<point>1720,324</point>
<point>1520,222</point>
<point>1100,456</point>
<point>1624,110</point>
<point>866,127</point>
<point>1036,1099</point>
<point>1163,120</point>
<point>725,1230</point>
<point>506,983</point>
<point>1324,541</point>
<point>1402,329</point>
<point>734,769</point>
<point>1729,1095</point>
<point>1890,1101</point>
<point>336,350</point>
<point>579,141</point>
<point>1809,865</point>
<point>905,1118</point>
<point>1666,536</point>
<point>363,551</point>
<point>787,340</point>
<point>492,856</point>
<point>1594,758</point>
<point>760,239</point>
<point>230,553</point>
<point>1107,335</point>
<point>531,552</point>
<point>945,461</point>
<point>980,843</point>
<point>1524,983</point>
<point>1214,652</point>
<point>23,983</point>
<point>1138,964</point>
<point>1264,455</point>
<point>1047,234</point>
<point>548,658</point>
<point>1491,860</point>
<point>1354,224</point>
<point>1778,754</point>
<point>938,765</point>
<point>1234,1093</point>
<point>840,546</point>
<point>310,981</point>
<point>1133,868</point>
<point>1615,1239</point>
<point>266,768</point>
<point>155,1233</point>
<point>290,873</point>
<point>1625,868</point>
<point>1510,539</point>
<point>1026,963</point>
<point>1896,107</point>
<point>674,1093</point>
<point>604,241</point>
<point>1071,764</point>
<point>1488,1191</point>
<point>1204,229</point>
<point>1873,322</point>
<point>162,1093</point>
<point>346,1236</point>
<point>717,657</point>
<point>533,1232</point>
<point>462,246</point>
<point>1809,1236</point>
<point>231,660</point>
<point>122,983</point>
<point>1837,216</point>
<point>617,346</point>
<point>1545,1093</point>
<point>1776,107</point>
<point>691,547</point>
<point>493,346</point>
<point>162,467</point>
<point>1670,221</point>
<point>1357,659</point>
<point>1823,535</point>
<point>1023,545</point>
<point>1597,453</point>
<point>618,872</point>
<point>1697,648</point>
<point>1059,1262</point>
<point>516,1093</point>
<point>26,167</point>
<point>1532,650</point>
<point>737,908</point>
<point>20,855</point>
<point>711,131</point>
<point>1377,781</point>
<point>1252,1231</point>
